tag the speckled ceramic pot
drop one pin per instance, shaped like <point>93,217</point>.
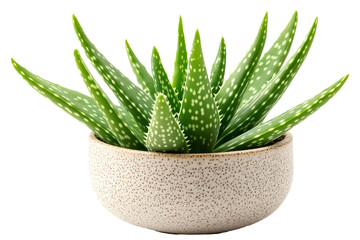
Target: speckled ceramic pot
<point>191,193</point>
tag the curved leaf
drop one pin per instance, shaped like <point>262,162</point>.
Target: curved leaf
<point>274,128</point>
<point>256,110</point>
<point>229,96</point>
<point>78,105</point>
<point>271,62</point>
<point>122,132</point>
<point>136,101</point>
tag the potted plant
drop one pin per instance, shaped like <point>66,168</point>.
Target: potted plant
<point>193,155</point>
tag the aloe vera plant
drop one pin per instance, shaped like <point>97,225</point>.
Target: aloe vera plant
<point>195,112</point>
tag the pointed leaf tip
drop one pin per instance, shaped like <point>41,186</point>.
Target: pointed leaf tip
<point>197,40</point>
<point>154,50</point>
<point>197,34</point>
<point>160,97</point>
<point>344,78</point>
<point>75,20</point>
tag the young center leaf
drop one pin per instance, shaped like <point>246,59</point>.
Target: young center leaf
<point>199,115</point>
<point>218,68</point>
<point>229,96</point>
<point>254,111</point>
<point>271,62</point>
<point>123,134</point>
<point>142,75</point>
<point>162,82</point>
<point>165,134</point>
<point>78,105</point>
<point>181,62</point>
<point>136,100</point>
<point>267,132</point>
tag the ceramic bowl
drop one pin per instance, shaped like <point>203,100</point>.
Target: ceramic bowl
<point>191,193</point>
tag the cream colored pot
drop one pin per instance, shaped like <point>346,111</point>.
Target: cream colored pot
<point>191,193</point>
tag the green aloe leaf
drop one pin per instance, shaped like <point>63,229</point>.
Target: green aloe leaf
<point>136,101</point>
<point>162,82</point>
<point>78,105</point>
<point>181,63</point>
<point>218,68</point>
<point>131,122</point>
<point>142,75</point>
<point>117,125</point>
<point>199,115</point>
<point>254,112</point>
<point>229,96</point>
<point>267,132</point>
<point>165,134</point>
<point>271,62</point>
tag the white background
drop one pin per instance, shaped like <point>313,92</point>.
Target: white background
<point>44,185</point>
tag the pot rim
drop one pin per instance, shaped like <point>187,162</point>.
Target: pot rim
<point>286,139</point>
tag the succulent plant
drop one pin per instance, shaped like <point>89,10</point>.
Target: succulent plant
<point>195,113</point>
